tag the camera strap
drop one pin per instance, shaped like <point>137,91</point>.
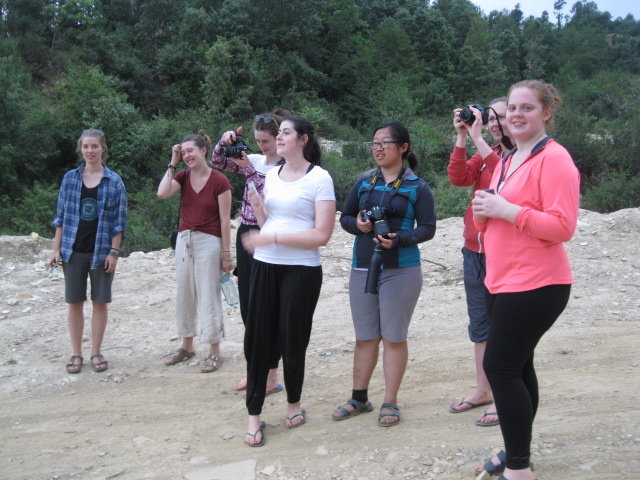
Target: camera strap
<point>506,141</point>
<point>394,188</point>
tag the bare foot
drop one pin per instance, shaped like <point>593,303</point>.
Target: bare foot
<point>489,417</point>
<point>254,434</point>
<point>525,474</point>
<point>389,415</point>
<point>241,384</point>
<point>337,413</point>
<point>295,415</point>
<point>467,403</point>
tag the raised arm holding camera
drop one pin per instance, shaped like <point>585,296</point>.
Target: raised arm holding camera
<point>390,210</point>
<point>230,155</point>
<point>477,171</point>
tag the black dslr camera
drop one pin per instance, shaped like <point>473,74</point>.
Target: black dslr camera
<point>235,149</point>
<point>378,216</point>
<point>467,116</point>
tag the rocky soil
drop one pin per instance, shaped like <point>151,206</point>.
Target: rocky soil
<point>140,419</point>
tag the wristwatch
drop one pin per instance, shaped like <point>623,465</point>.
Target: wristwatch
<point>172,167</point>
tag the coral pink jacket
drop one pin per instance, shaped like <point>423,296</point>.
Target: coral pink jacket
<point>530,253</point>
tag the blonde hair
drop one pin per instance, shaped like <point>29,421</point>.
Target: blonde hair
<point>92,132</point>
<point>545,92</point>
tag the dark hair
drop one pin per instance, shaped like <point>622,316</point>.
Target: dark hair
<point>546,94</point>
<point>400,134</point>
<point>311,151</point>
<point>200,140</point>
<point>272,126</point>
<point>92,132</point>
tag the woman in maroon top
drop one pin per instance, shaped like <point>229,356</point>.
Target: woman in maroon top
<point>203,248</point>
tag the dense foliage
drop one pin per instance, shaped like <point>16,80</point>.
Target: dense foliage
<point>147,72</point>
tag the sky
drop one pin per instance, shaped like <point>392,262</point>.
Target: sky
<point>617,8</point>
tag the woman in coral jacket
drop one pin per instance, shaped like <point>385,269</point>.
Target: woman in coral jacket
<point>533,211</point>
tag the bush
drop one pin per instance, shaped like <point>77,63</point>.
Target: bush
<point>617,190</point>
<point>149,221</point>
<point>344,169</point>
<point>451,201</point>
<point>33,213</point>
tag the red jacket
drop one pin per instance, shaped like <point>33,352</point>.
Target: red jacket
<point>476,172</point>
<point>530,253</point>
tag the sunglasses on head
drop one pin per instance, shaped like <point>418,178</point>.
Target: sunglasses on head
<point>266,119</point>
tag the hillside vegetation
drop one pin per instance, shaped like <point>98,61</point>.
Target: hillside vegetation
<point>147,72</point>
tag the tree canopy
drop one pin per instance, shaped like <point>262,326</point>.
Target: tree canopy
<point>147,72</point>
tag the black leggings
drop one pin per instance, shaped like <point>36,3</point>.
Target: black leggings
<point>283,300</point>
<point>518,321</point>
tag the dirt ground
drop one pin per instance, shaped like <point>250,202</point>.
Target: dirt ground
<point>141,419</point>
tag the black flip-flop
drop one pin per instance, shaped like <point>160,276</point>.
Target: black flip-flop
<point>303,414</point>
<point>471,406</point>
<point>488,424</point>
<point>260,430</point>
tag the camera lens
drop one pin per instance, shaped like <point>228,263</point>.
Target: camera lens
<point>466,115</point>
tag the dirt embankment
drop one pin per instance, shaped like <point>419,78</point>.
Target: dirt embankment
<point>143,420</point>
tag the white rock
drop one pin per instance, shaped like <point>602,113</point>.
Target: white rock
<point>244,470</point>
<point>321,450</point>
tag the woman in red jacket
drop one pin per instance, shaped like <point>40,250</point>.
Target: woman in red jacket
<point>533,212</point>
<point>477,171</point>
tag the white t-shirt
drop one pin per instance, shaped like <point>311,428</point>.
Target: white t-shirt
<point>291,207</point>
<point>260,163</point>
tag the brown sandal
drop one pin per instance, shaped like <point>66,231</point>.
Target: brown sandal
<point>211,366</point>
<point>73,367</point>
<point>178,356</point>
<point>101,365</point>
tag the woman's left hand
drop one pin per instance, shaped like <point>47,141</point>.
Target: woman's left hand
<point>250,240</point>
<point>488,205</point>
<point>227,265</point>
<point>386,243</point>
<point>243,162</point>
<point>110,264</point>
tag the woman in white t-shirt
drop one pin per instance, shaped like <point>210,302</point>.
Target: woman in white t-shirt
<point>296,214</point>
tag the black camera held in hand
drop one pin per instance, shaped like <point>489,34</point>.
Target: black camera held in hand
<point>235,149</point>
<point>378,216</point>
<point>467,116</point>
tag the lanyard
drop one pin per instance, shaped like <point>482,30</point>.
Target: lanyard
<point>535,150</point>
<point>394,188</point>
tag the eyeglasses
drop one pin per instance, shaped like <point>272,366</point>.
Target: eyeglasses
<point>384,144</point>
<point>266,119</point>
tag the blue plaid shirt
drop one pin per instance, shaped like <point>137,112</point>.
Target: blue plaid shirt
<point>112,212</point>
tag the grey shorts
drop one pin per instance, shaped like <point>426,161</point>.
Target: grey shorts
<point>474,272</point>
<point>75,280</point>
<point>387,314</point>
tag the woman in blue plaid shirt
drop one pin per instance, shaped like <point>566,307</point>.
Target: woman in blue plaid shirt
<point>90,222</point>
